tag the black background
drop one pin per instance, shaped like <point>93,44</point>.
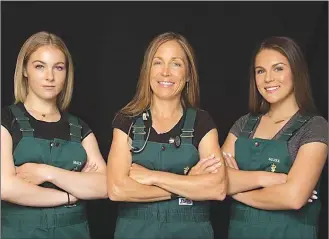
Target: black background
<point>107,41</point>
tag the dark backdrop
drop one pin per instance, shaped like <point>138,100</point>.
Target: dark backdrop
<point>108,39</point>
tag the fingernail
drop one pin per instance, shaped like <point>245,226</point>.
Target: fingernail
<point>229,154</point>
<point>309,200</point>
<point>315,197</point>
<point>315,192</point>
<point>224,153</point>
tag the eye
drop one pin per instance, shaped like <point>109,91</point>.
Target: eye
<point>259,71</point>
<point>60,68</point>
<point>156,63</point>
<point>39,66</point>
<point>279,68</point>
<point>177,64</point>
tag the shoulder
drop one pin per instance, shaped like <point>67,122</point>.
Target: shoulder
<point>239,124</point>
<point>314,130</point>
<point>7,118</point>
<point>85,129</point>
<point>122,122</point>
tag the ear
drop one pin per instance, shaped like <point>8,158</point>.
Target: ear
<point>24,72</point>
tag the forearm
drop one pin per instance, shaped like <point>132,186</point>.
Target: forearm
<point>83,185</point>
<point>240,181</point>
<point>277,197</point>
<point>20,192</point>
<point>129,190</point>
<point>195,187</point>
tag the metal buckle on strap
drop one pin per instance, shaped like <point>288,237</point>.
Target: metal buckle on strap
<point>134,132</point>
<point>26,130</point>
<point>289,134</point>
<point>71,205</point>
<point>74,125</point>
<point>22,119</point>
<point>79,137</point>
<point>138,127</point>
<point>301,120</point>
<point>187,133</point>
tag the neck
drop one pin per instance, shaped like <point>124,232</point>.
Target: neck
<point>40,105</point>
<point>284,108</point>
<point>166,108</point>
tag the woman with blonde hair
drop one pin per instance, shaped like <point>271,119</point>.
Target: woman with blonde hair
<point>50,160</point>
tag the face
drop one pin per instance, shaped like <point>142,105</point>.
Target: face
<point>46,72</point>
<point>273,74</point>
<point>168,71</point>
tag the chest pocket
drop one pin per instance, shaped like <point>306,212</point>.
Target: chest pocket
<point>60,153</point>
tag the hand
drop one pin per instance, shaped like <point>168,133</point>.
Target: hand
<point>89,167</point>
<point>33,173</point>
<point>313,197</point>
<point>206,165</point>
<point>230,161</point>
<point>269,179</point>
<point>141,175</point>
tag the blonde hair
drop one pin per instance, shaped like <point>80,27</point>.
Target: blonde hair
<point>32,44</point>
<point>143,96</point>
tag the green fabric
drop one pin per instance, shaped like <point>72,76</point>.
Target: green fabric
<point>271,156</point>
<point>54,222</point>
<point>165,219</point>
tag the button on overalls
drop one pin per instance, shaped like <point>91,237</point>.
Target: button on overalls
<point>272,156</point>
<point>46,222</point>
<point>176,219</point>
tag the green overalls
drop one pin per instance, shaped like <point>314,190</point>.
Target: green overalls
<point>272,156</point>
<point>179,218</point>
<point>60,222</point>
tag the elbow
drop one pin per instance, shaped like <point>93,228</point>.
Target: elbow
<point>219,190</point>
<point>297,200</point>
<point>115,192</point>
<point>221,193</point>
<point>297,204</point>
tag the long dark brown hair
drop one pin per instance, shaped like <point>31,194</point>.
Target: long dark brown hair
<point>302,89</point>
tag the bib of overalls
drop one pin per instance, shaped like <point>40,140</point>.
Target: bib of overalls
<point>272,156</point>
<point>69,155</point>
<point>172,218</point>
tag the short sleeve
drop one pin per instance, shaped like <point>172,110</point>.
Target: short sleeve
<point>85,129</point>
<point>203,124</point>
<point>7,118</point>
<point>122,122</point>
<point>238,125</point>
<point>315,130</point>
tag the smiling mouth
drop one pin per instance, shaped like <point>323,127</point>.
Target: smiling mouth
<point>272,89</point>
<point>166,83</point>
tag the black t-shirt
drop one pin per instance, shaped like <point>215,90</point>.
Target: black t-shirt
<point>42,129</point>
<point>202,125</point>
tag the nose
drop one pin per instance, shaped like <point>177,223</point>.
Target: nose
<point>268,77</point>
<point>165,71</point>
<point>50,75</point>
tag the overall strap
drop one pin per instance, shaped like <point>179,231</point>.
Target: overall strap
<point>22,120</point>
<point>75,128</point>
<point>188,127</point>
<point>138,130</point>
<point>293,129</point>
<point>249,126</point>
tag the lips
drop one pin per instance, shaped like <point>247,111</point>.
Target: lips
<point>166,83</point>
<point>48,87</point>
<point>272,89</point>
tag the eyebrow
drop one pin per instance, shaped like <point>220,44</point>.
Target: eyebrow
<point>174,58</point>
<point>60,62</point>
<point>272,65</point>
